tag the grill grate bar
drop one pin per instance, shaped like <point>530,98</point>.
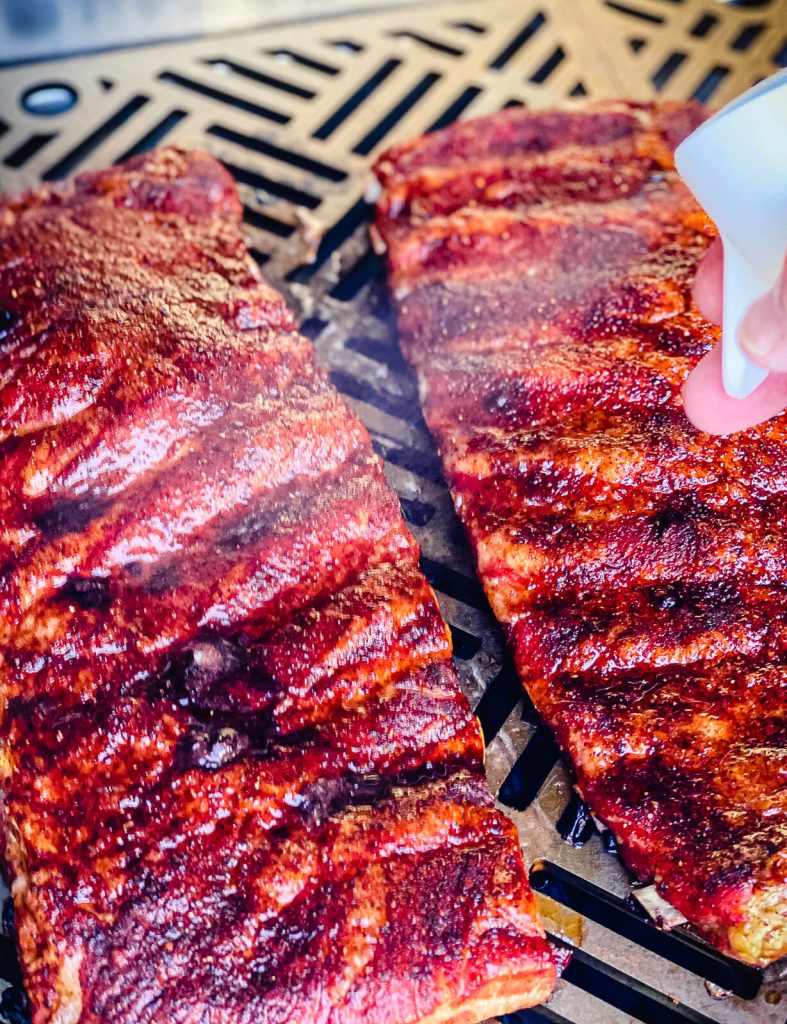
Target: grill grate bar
<point>677,946</point>
<point>640,1001</point>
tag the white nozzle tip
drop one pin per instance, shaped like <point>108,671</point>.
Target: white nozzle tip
<point>734,164</point>
<point>739,375</point>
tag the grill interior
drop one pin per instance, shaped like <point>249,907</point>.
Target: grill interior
<point>298,113</point>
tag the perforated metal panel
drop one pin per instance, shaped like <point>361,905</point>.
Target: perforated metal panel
<point>298,114</point>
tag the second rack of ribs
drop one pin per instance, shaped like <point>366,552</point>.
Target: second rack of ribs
<point>542,264</point>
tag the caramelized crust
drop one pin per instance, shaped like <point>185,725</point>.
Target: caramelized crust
<point>241,783</point>
<point>542,264</point>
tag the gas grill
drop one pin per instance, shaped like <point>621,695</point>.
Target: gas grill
<point>297,112</point>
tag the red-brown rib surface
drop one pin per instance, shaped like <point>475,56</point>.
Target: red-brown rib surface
<point>242,785</point>
<point>542,265</point>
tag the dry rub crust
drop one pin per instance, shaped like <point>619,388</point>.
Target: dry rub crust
<point>542,263</point>
<point>241,782</point>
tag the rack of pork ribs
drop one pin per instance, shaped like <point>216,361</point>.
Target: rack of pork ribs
<point>542,265</point>
<point>241,783</point>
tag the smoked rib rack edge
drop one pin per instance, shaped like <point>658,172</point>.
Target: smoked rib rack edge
<point>240,780</point>
<point>541,263</point>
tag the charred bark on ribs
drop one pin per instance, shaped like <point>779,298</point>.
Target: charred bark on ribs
<point>542,265</point>
<point>241,783</point>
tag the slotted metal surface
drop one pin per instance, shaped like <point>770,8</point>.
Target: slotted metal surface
<point>298,114</point>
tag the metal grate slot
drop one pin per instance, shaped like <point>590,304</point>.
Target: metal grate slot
<point>710,83</point>
<point>332,240</point>
<point>704,25</point>
<point>498,701</point>
<point>33,144</point>
<point>455,110</point>
<point>639,1001</point>
<point>470,26</point>
<point>230,66</point>
<point>557,56</point>
<point>305,62</point>
<point>455,584</point>
<point>222,96</point>
<point>82,150</point>
<point>654,19</point>
<point>353,102</point>
<point>156,135</point>
<point>348,45</point>
<point>265,222</point>
<point>383,127</point>
<point>538,1015</point>
<point>279,189</point>
<point>522,37</point>
<point>296,114</point>
<point>432,44</point>
<point>363,270</point>
<point>286,156</point>
<point>618,915</point>
<point>668,69</point>
<point>575,824</point>
<point>747,35</point>
<point>530,771</point>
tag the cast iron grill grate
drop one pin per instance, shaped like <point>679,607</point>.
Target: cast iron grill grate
<point>297,113</point>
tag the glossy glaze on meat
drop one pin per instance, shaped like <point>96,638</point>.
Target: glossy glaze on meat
<point>542,265</point>
<point>241,783</point>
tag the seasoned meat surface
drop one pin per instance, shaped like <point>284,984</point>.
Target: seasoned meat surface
<point>241,783</point>
<point>542,265</point>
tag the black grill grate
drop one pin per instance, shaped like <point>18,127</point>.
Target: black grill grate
<point>297,114</point>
